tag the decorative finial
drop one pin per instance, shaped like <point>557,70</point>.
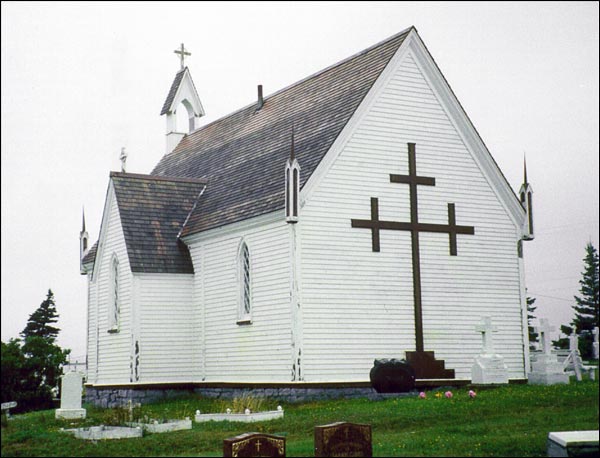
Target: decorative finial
<point>83,222</point>
<point>525,169</point>
<point>182,53</point>
<point>123,159</point>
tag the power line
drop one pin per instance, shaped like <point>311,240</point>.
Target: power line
<point>550,297</point>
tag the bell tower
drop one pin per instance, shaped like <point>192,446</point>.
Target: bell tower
<point>182,95</point>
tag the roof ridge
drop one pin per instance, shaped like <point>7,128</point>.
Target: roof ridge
<point>141,176</point>
<point>313,75</point>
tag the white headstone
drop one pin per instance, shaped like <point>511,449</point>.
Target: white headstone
<point>546,369</point>
<point>596,349</point>
<point>489,367</point>
<point>573,361</point>
<point>70,396</point>
<point>544,330</point>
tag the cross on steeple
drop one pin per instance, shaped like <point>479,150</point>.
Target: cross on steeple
<point>415,227</point>
<point>182,53</point>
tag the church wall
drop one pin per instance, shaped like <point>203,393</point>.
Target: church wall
<point>114,349</point>
<point>358,304</point>
<point>166,330</point>
<point>260,351</point>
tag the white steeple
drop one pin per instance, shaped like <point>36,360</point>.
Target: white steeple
<point>182,92</point>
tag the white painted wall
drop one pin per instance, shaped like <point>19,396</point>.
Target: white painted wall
<point>358,305</point>
<point>167,330</point>
<point>260,351</point>
<point>113,349</point>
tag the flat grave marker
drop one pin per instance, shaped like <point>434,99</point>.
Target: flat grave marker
<point>343,439</point>
<point>254,444</point>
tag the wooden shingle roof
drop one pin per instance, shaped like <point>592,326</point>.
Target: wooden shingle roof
<point>173,91</point>
<point>152,211</point>
<point>242,156</point>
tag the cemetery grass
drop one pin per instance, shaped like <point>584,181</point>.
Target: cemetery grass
<point>504,421</point>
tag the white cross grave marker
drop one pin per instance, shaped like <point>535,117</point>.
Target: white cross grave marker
<point>489,367</point>
<point>486,328</point>
<point>544,330</point>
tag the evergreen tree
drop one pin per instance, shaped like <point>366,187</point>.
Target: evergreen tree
<point>13,368</point>
<point>43,357</point>
<point>586,310</point>
<point>533,336</point>
<point>39,323</point>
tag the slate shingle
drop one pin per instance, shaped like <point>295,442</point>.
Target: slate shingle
<point>243,155</point>
<point>152,211</point>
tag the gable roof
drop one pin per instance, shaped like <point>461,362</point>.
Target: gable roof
<point>243,155</point>
<point>152,211</point>
<point>173,91</point>
<point>90,256</point>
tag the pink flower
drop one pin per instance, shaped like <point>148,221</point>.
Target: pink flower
<point>472,394</point>
<point>448,394</point>
<point>422,395</point>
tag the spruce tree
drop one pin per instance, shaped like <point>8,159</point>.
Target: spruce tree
<point>40,321</point>
<point>43,357</point>
<point>533,336</point>
<point>586,308</point>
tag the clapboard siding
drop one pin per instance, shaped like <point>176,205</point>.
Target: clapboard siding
<point>168,334</point>
<point>92,317</point>
<point>114,352</point>
<point>261,350</point>
<point>357,304</point>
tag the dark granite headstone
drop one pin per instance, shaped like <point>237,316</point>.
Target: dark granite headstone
<point>254,444</point>
<point>343,439</point>
<point>392,376</point>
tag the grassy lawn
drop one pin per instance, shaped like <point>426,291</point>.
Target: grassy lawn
<point>506,421</point>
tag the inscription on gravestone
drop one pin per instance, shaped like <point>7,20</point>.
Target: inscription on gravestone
<point>343,439</point>
<point>254,444</point>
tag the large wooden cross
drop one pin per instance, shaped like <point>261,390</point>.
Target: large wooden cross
<point>415,227</point>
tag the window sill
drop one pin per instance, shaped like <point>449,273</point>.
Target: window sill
<point>244,322</point>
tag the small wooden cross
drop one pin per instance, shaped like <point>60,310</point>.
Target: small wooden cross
<point>258,444</point>
<point>182,53</point>
<point>123,159</point>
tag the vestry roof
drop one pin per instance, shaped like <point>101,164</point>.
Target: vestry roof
<point>242,156</point>
<point>153,210</point>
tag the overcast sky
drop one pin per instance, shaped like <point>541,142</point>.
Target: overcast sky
<point>80,81</point>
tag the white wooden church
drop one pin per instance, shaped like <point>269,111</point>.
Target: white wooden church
<point>351,216</point>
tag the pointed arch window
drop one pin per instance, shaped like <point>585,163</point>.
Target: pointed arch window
<point>292,189</point>
<point>114,296</point>
<point>245,284</point>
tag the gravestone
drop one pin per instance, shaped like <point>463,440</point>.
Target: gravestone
<point>6,406</point>
<point>573,361</point>
<point>70,397</point>
<point>489,367</point>
<point>573,443</point>
<point>254,444</point>
<point>343,439</point>
<point>546,369</point>
<point>595,344</point>
<point>392,376</point>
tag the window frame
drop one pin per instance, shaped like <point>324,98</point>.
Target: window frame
<point>244,277</point>
<point>114,296</point>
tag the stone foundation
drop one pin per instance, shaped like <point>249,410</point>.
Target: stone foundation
<point>108,397</point>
